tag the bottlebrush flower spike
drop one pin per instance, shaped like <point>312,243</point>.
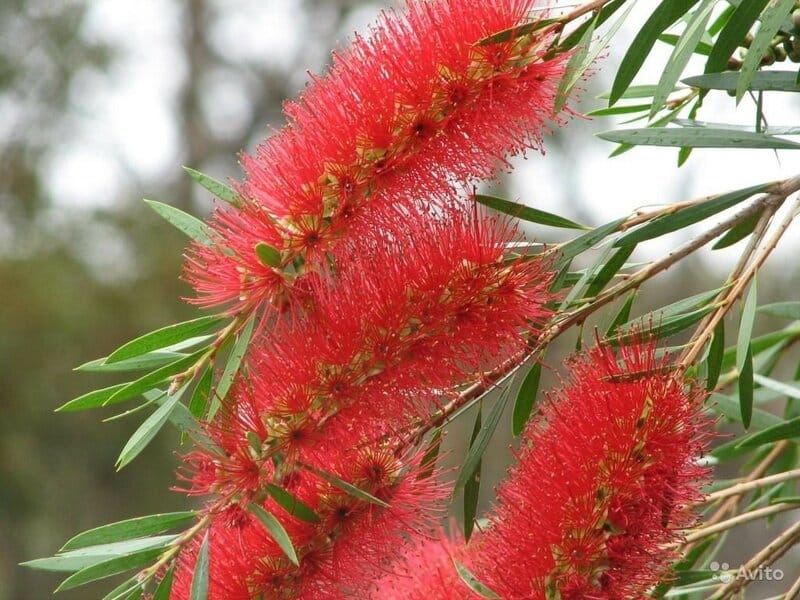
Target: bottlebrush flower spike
<point>340,554</point>
<point>412,110</point>
<point>603,487</point>
<point>418,309</point>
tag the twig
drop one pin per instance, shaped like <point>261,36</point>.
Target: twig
<point>765,557</point>
<point>742,488</point>
<point>707,530</point>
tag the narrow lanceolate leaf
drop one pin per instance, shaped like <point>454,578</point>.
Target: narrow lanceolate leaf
<point>739,23</point>
<point>582,60</point>
<point>202,391</point>
<point>587,240</point>
<point>664,15</point>
<point>778,386</point>
<point>746,388</point>
<point>609,270</point>
<point>81,558</point>
<point>696,138</point>
<point>622,316</point>
<point>738,232</point>
<point>526,398</point>
<point>130,528</point>
<point>145,362</point>
<point>527,213</point>
<point>164,588</point>
<point>107,568</point>
<point>347,487</point>
<point>166,336</point>
<point>219,189</point>
<point>746,324</point>
<point>787,310</point>
<point>762,343</point>
<point>763,81</point>
<point>715,354</point>
<point>771,19</point>
<point>191,226</point>
<point>681,53</point>
<point>689,215</point>
<point>276,530</point>
<point>472,487</point>
<point>428,462</point>
<point>148,430</point>
<point>268,255</point>
<point>199,589</point>
<point>472,582</point>
<point>94,399</point>
<point>783,431</point>
<point>131,589</point>
<point>232,366</point>
<point>292,504</point>
<point>154,378</point>
<point>481,442</point>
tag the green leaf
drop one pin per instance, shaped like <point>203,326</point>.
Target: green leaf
<point>762,343</point>
<point>609,270</point>
<point>347,487</point>
<point>130,528</point>
<point>201,393</point>
<point>148,430</point>
<point>681,54</point>
<point>763,81</point>
<point>602,16</point>
<point>619,110</point>
<point>664,14</point>
<point>199,589</point>
<point>663,328</point>
<point>477,449</point>
<point>689,215</point>
<point>728,406</point>
<point>428,462</point>
<point>191,226</point>
<point>154,378</point>
<point>622,315</point>
<point>219,189</point>
<point>473,583</point>
<point>276,531</point>
<point>778,386</point>
<point>738,232</point>
<point>783,431</point>
<point>151,360</point>
<point>787,310</point>
<point>746,324</point>
<point>584,57</point>
<point>94,399</point>
<point>527,213</point>
<point>164,588</point>
<point>75,560</point>
<point>526,398</point>
<point>131,589</point>
<point>292,504</point>
<point>739,23</point>
<point>583,242</point>
<point>166,336</point>
<point>232,366</point>
<point>472,487</point>
<point>715,354</point>
<point>268,255</point>
<point>696,138</point>
<point>771,20</point>
<point>515,32</point>
<point>107,568</point>
<point>679,308</point>
<point>702,48</point>
<point>746,388</point>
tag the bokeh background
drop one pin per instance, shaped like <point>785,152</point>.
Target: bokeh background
<point>101,102</point>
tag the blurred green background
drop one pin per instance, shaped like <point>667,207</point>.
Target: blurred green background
<point>100,104</point>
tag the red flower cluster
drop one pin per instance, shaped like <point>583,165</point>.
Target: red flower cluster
<point>603,486</point>
<point>408,114</point>
<point>370,356</point>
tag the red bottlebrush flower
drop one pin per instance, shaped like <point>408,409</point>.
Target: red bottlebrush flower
<point>603,487</point>
<point>414,109</point>
<point>340,555</point>
<point>378,350</point>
